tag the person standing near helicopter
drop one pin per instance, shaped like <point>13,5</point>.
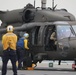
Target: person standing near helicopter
<point>9,41</point>
<point>22,45</point>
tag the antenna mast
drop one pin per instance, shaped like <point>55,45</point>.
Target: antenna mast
<point>34,3</point>
<point>52,4</point>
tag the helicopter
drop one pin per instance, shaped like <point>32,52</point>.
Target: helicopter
<point>40,23</point>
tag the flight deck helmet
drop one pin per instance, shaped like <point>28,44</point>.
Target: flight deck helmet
<point>10,28</point>
<point>26,35</point>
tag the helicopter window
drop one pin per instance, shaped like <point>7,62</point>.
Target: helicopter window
<point>64,31</point>
<point>74,27</point>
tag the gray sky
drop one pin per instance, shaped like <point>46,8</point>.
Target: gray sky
<point>70,5</point>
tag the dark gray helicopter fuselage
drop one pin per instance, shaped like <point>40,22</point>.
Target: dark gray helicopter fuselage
<point>40,44</point>
<point>65,38</point>
<point>39,23</point>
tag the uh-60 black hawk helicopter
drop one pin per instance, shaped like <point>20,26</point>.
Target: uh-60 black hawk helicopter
<point>40,23</point>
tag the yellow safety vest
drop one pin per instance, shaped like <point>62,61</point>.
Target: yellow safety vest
<point>26,44</point>
<point>9,40</point>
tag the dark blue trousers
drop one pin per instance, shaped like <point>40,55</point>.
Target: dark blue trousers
<point>9,54</point>
<point>21,56</point>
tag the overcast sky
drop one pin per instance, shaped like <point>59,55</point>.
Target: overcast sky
<point>70,5</point>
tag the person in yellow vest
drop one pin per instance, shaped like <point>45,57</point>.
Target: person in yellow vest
<point>28,60</point>
<point>26,35</point>
<point>9,41</point>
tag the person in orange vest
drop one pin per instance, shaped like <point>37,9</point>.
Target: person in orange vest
<point>9,41</point>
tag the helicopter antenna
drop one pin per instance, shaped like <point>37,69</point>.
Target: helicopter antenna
<point>52,4</point>
<point>34,3</point>
<point>53,7</point>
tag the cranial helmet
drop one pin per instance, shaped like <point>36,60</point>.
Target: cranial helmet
<point>10,28</point>
<point>26,35</point>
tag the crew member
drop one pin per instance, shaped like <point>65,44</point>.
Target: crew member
<point>53,36</point>
<point>9,41</point>
<point>22,45</point>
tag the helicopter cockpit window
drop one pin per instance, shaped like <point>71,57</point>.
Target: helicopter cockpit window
<point>74,27</point>
<point>64,31</point>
